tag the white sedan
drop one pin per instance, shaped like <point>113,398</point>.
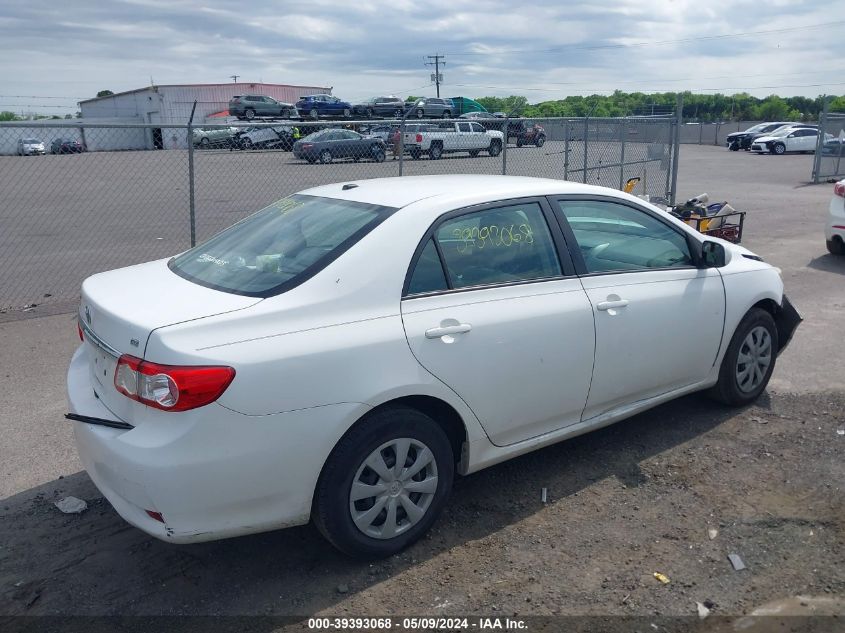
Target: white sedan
<point>835,231</point>
<point>341,354</point>
<point>787,139</point>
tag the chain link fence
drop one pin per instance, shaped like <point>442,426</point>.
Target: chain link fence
<point>829,161</point>
<point>79,199</point>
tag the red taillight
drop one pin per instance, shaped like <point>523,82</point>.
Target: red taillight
<point>79,330</point>
<point>155,515</point>
<point>839,189</point>
<point>170,387</point>
<point>307,146</point>
<point>419,138</point>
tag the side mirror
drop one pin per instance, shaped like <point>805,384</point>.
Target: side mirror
<point>712,255</point>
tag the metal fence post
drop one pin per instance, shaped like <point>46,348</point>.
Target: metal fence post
<point>191,187</point>
<point>679,118</point>
<point>402,144</point>
<point>817,159</point>
<point>566,150</point>
<point>505,148</point>
<point>623,134</point>
<point>586,146</point>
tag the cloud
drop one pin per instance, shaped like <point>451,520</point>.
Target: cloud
<point>543,50</point>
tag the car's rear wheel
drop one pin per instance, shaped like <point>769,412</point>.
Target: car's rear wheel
<point>397,113</point>
<point>435,152</point>
<point>377,153</point>
<point>749,360</point>
<point>447,114</point>
<point>495,148</point>
<point>836,246</point>
<point>247,143</point>
<point>314,114</point>
<point>325,157</point>
<point>369,113</point>
<point>384,484</point>
<point>205,142</point>
<point>778,148</point>
<point>420,113</point>
<point>346,112</point>
<point>249,113</point>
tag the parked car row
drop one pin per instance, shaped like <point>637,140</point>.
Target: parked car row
<point>35,147</point>
<point>318,106</point>
<point>745,140</point>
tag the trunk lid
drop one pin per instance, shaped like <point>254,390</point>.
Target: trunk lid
<point>119,310</point>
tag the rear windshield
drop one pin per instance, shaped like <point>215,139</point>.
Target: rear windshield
<point>280,246</point>
<point>31,141</point>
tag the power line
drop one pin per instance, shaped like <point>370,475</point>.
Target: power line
<point>596,90</point>
<point>702,38</point>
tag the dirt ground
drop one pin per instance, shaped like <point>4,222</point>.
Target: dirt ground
<point>622,503</point>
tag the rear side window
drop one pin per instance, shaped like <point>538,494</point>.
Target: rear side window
<point>498,245</point>
<point>280,246</point>
<point>428,273</point>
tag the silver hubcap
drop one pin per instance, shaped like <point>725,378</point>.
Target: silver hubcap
<point>755,356</point>
<point>393,488</point>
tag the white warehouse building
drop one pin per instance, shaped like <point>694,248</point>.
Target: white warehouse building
<point>170,105</point>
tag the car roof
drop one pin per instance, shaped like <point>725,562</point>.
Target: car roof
<point>399,192</point>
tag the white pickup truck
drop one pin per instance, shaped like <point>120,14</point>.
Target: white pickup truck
<point>462,136</point>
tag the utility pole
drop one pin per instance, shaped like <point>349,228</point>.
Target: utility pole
<point>436,63</point>
<point>234,78</point>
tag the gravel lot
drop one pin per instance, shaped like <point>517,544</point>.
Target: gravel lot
<point>623,502</point>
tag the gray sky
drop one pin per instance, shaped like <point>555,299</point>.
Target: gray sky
<point>56,53</point>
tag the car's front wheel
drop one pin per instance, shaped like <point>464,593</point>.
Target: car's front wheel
<point>249,113</point>
<point>541,140</point>
<point>384,484</point>
<point>778,148</point>
<point>749,361</point>
<point>495,148</point>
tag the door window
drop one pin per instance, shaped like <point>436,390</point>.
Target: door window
<point>428,272</point>
<point>616,237</point>
<point>500,245</point>
<point>463,127</point>
<point>476,127</point>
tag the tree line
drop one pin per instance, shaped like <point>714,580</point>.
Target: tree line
<point>697,107</point>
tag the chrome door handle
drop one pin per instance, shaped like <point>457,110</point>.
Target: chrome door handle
<point>609,305</point>
<point>437,332</point>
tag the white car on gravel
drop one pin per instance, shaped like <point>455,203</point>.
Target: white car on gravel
<point>835,232</point>
<point>343,353</point>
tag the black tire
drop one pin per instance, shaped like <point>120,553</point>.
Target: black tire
<point>474,152</point>
<point>727,390</point>
<point>314,114</point>
<point>346,113</point>
<point>495,148</point>
<point>377,153</point>
<point>519,142</point>
<point>369,113</point>
<point>778,148</point>
<point>205,142</point>
<point>247,143</point>
<point>331,508</point>
<point>447,114</point>
<point>249,113</point>
<point>420,113</point>
<point>734,147</point>
<point>397,114</point>
<point>541,140</point>
<point>325,157</point>
<point>836,246</point>
<point>435,152</point>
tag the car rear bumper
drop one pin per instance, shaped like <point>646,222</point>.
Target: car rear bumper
<point>214,476</point>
